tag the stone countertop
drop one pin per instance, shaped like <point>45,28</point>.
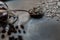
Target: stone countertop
<point>37,29</point>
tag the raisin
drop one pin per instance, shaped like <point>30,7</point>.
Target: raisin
<point>19,31</point>
<point>22,26</point>
<point>20,37</point>
<point>24,31</point>
<point>8,33</point>
<point>11,38</point>
<point>16,27</point>
<point>2,36</point>
<point>16,39</point>
<point>3,31</point>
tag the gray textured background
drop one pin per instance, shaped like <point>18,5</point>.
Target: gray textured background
<point>37,29</point>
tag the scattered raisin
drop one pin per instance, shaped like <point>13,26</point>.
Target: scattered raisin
<point>22,26</point>
<point>3,31</point>
<point>24,31</point>
<point>16,27</point>
<point>8,33</point>
<point>16,39</point>
<point>19,31</point>
<point>11,38</point>
<point>20,37</point>
<point>2,36</point>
